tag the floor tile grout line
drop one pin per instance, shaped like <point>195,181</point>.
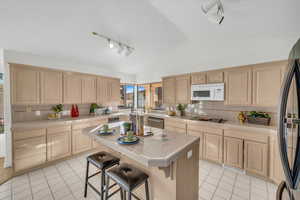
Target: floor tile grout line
<point>48,184</point>
<point>30,185</point>
<point>233,187</point>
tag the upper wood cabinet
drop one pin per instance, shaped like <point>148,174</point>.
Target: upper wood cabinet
<point>72,88</point>
<point>25,85</point>
<point>115,91</point>
<point>198,78</point>
<point>238,86</point>
<point>108,91</point>
<point>51,87</point>
<point>169,90</point>
<point>89,89</point>
<point>267,79</point>
<point>233,152</point>
<point>183,89</point>
<point>215,76</point>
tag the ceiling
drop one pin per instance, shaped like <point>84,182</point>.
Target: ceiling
<point>169,38</point>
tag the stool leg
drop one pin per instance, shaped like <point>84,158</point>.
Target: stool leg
<point>86,178</point>
<point>129,195</point>
<point>124,195</point>
<point>106,191</point>
<point>102,184</point>
<point>121,194</point>
<point>147,190</point>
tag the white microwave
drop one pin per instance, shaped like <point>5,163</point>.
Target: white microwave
<point>208,92</point>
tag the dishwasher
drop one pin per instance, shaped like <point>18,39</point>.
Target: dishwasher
<point>156,122</point>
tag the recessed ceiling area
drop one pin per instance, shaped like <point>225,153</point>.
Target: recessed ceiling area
<point>169,38</point>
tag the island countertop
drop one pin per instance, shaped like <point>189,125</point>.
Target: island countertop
<point>151,151</point>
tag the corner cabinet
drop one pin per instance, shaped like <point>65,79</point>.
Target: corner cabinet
<point>183,89</point>
<point>72,88</point>
<point>169,90</point>
<point>25,85</point>
<point>51,87</point>
<point>89,89</point>
<point>266,89</point>
<point>238,86</point>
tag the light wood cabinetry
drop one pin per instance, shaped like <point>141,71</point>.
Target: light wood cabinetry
<point>29,150</point>
<point>169,90</point>
<point>267,79</point>
<point>72,88</point>
<point>183,89</point>
<point>51,87</point>
<point>238,87</point>
<point>115,91</point>
<point>256,158</point>
<point>58,142</point>
<point>215,76</point>
<point>233,152</point>
<point>80,142</point>
<point>198,78</point>
<point>198,134</point>
<point>108,91</point>
<point>25,85</point>
<point>175,125</point>
<point>89,89</point>
<point>213,145</point>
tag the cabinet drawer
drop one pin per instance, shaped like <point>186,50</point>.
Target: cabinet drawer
<point>175,130</point>
<point>29,147</point>
<point>98,122</point>
<point>175,123</point>
<point>252,136</point>
<point>20,135</point>
<point>81,125</point>
<point>216,131</point>
<point>58,129</point>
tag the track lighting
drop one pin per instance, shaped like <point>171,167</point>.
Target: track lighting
<point>114,44</point>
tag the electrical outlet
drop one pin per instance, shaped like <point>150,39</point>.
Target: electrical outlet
<point>189,154</point>
<point>65,112</point>
<point>38,113</point>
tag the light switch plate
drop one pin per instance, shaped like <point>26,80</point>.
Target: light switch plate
<point>65,112</point>
<point>38,113</point>
<point>189,154</point>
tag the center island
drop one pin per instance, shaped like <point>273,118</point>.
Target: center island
<point>170,159</point>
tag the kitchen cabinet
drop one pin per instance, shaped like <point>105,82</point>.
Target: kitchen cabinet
<point>183,89</point>
<point>51,87</point>
<point>89,89</point>
<point>213,147</point>
<point>175,125</point>
<point>72,88</point>
<point>198,134</point>
<point>238,87</point>
<point>267,79</point>
<point>169,90</point>
<point>58,142</point>
<point>256,158</point>
<point>215,76</point>
<point>198,78</point>
<point>108,91</point>
<point>233,152</point>
<point>29,149</point>
<point>115,91</point>
<point>25,85</point>
<point>80,142</point>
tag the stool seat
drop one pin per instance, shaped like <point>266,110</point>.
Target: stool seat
<point>127,176</point>
<point>103,160</point>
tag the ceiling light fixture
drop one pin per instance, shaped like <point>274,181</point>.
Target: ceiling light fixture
<point>214,11</point>
<point>114,44</point>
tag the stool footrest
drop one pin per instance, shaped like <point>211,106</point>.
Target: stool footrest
<point>94,174</point>
<point>97,191</point>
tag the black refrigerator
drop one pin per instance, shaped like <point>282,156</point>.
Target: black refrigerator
<point>289,128</point>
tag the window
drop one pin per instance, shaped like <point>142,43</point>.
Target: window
<point>127,96</point>
<point>150,96</point>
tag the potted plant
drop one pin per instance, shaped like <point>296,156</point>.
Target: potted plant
<point>57,110</point>
<point>127,126</point>
<point>261,118</point>
<point>181,108</point>
<point>93,108</point>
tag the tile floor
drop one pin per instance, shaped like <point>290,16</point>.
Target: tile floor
<point>65,180</point>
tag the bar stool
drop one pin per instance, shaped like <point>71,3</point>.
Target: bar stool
<point>101,160</point>
<point>128,178</point>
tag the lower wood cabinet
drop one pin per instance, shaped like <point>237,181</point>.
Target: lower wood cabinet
<point>58,143</point>
<point>233,152</point>
<point>80,142</point>
<point>256,158</point>
<point>29,152</point>
<point>213,147</point>
<point>199,134</point>
<point>175,125</point>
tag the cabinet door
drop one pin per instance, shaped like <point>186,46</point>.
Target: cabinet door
<point>267,79</point>
<point>29,153</point>
<point>256,158</point>
<point>215,77</point>
<point>103,91</point>
<point>51,87</point>
<point>115,91</point>
<point>89,89</point>
<point>233,152</point>
<point>238,86</point>
<point>198,78</point>
<point>199,134</point>
<point>213,147</point>
<point>183,89</point>
<point>25,83</point>
<point>169,90</point>
<point>80,142</point>
<point>72,88</point>
<point>58,145</point>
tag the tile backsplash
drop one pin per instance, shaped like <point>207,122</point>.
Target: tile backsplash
<point>219,110</point>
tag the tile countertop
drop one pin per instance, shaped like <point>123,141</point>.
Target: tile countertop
<point>151,151</point>
<point>56,122</point>
<point>225,125</point>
